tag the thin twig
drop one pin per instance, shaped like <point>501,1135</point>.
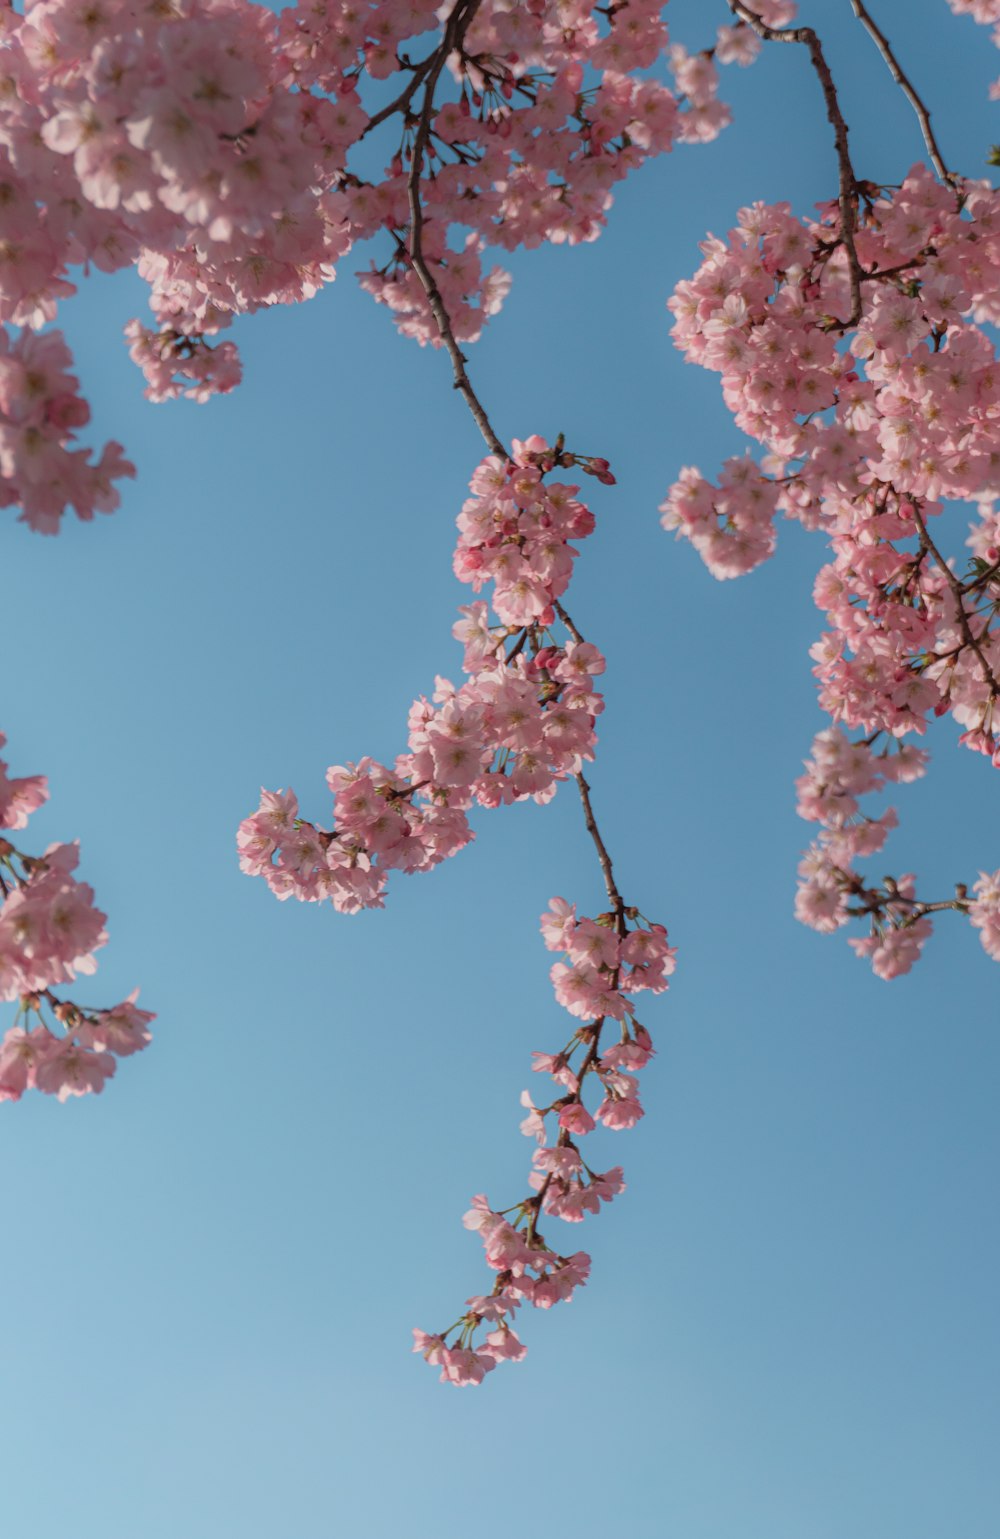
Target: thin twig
<point>617,901</point>
<point>457,24</point>
<point>898,74</point>
<point>611,887</point>
<point>455,29</point>
<point>982,578</point>
<point>847,198</point>
<point>564,617</point>
<point>958,591</point>
<point>403,99</point>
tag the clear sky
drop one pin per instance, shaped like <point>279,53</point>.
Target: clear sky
<point>211,1271</point>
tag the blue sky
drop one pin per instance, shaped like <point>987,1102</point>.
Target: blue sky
<point>212,1270</point>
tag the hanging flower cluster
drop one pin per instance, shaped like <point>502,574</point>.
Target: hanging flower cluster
<point>49,931</point>
<point>862,366</point>
<point>607,962</point>
<point>522,720</point>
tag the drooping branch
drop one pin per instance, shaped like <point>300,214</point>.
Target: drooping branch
<point>51,928</point>
<point>455,29</point>
<point>848,181</point>
<point>614,896</point>
<point>457,25</point>
<point>566,1186</point>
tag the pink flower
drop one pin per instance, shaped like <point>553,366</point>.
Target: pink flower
<point>20,1054</point>
<point>462,1367</point>
<point>620,1112</point>
<point>984,912</point>
<point>575,1118</point>
<point>69,1071</point>
<point>122,1030</point>
<point>19,798</point>
<point>503,1343</point>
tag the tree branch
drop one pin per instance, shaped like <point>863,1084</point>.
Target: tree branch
<point>958,592</point>
<point>404,98</point>
<point>884,47</point>
<point>848,194</point>
<point>455,29</point>
<point>611,887</point>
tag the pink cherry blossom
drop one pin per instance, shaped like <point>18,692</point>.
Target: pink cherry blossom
<point>561,1183</point>
<point>862,445</point>
<point>49,931</point>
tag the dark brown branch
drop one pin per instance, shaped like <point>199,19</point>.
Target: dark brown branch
<point>402,101</point>
<point>884,47</point>
<point>848,194</point>
<point>455,29</point>
<point>517,647</point>
<point>564,617</point>
<point>958,592</point>
<point>457,24</point>
<point>611,887</point>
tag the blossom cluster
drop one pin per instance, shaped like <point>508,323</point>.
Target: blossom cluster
<point>40,410</point>
<point>167,137</point>
<point>607,962</point>
<point>522,720</point>
<point>984,911</point>
<point>838,773</point>
<point>914,402</point>
<point>175,364</point>
<point>207,143</point>
<point>859,360</point>
<point>19,796</point>
<point>49,931</point>
<point>730,525</point>
<point>550,114</point>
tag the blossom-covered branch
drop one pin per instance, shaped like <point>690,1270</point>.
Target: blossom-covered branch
<point>848,195</point>
<point>210,147</point>
<point>607,961</point>
<point>49,931</point>
<point>864,445</point>
<point>458,24</point>
<point>523,720</point>
<point>41,469</point>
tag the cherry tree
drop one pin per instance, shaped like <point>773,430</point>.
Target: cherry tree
<point>216,147</point>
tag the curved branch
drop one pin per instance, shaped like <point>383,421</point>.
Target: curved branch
<point>848,194</point>
<point>884,47</point>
